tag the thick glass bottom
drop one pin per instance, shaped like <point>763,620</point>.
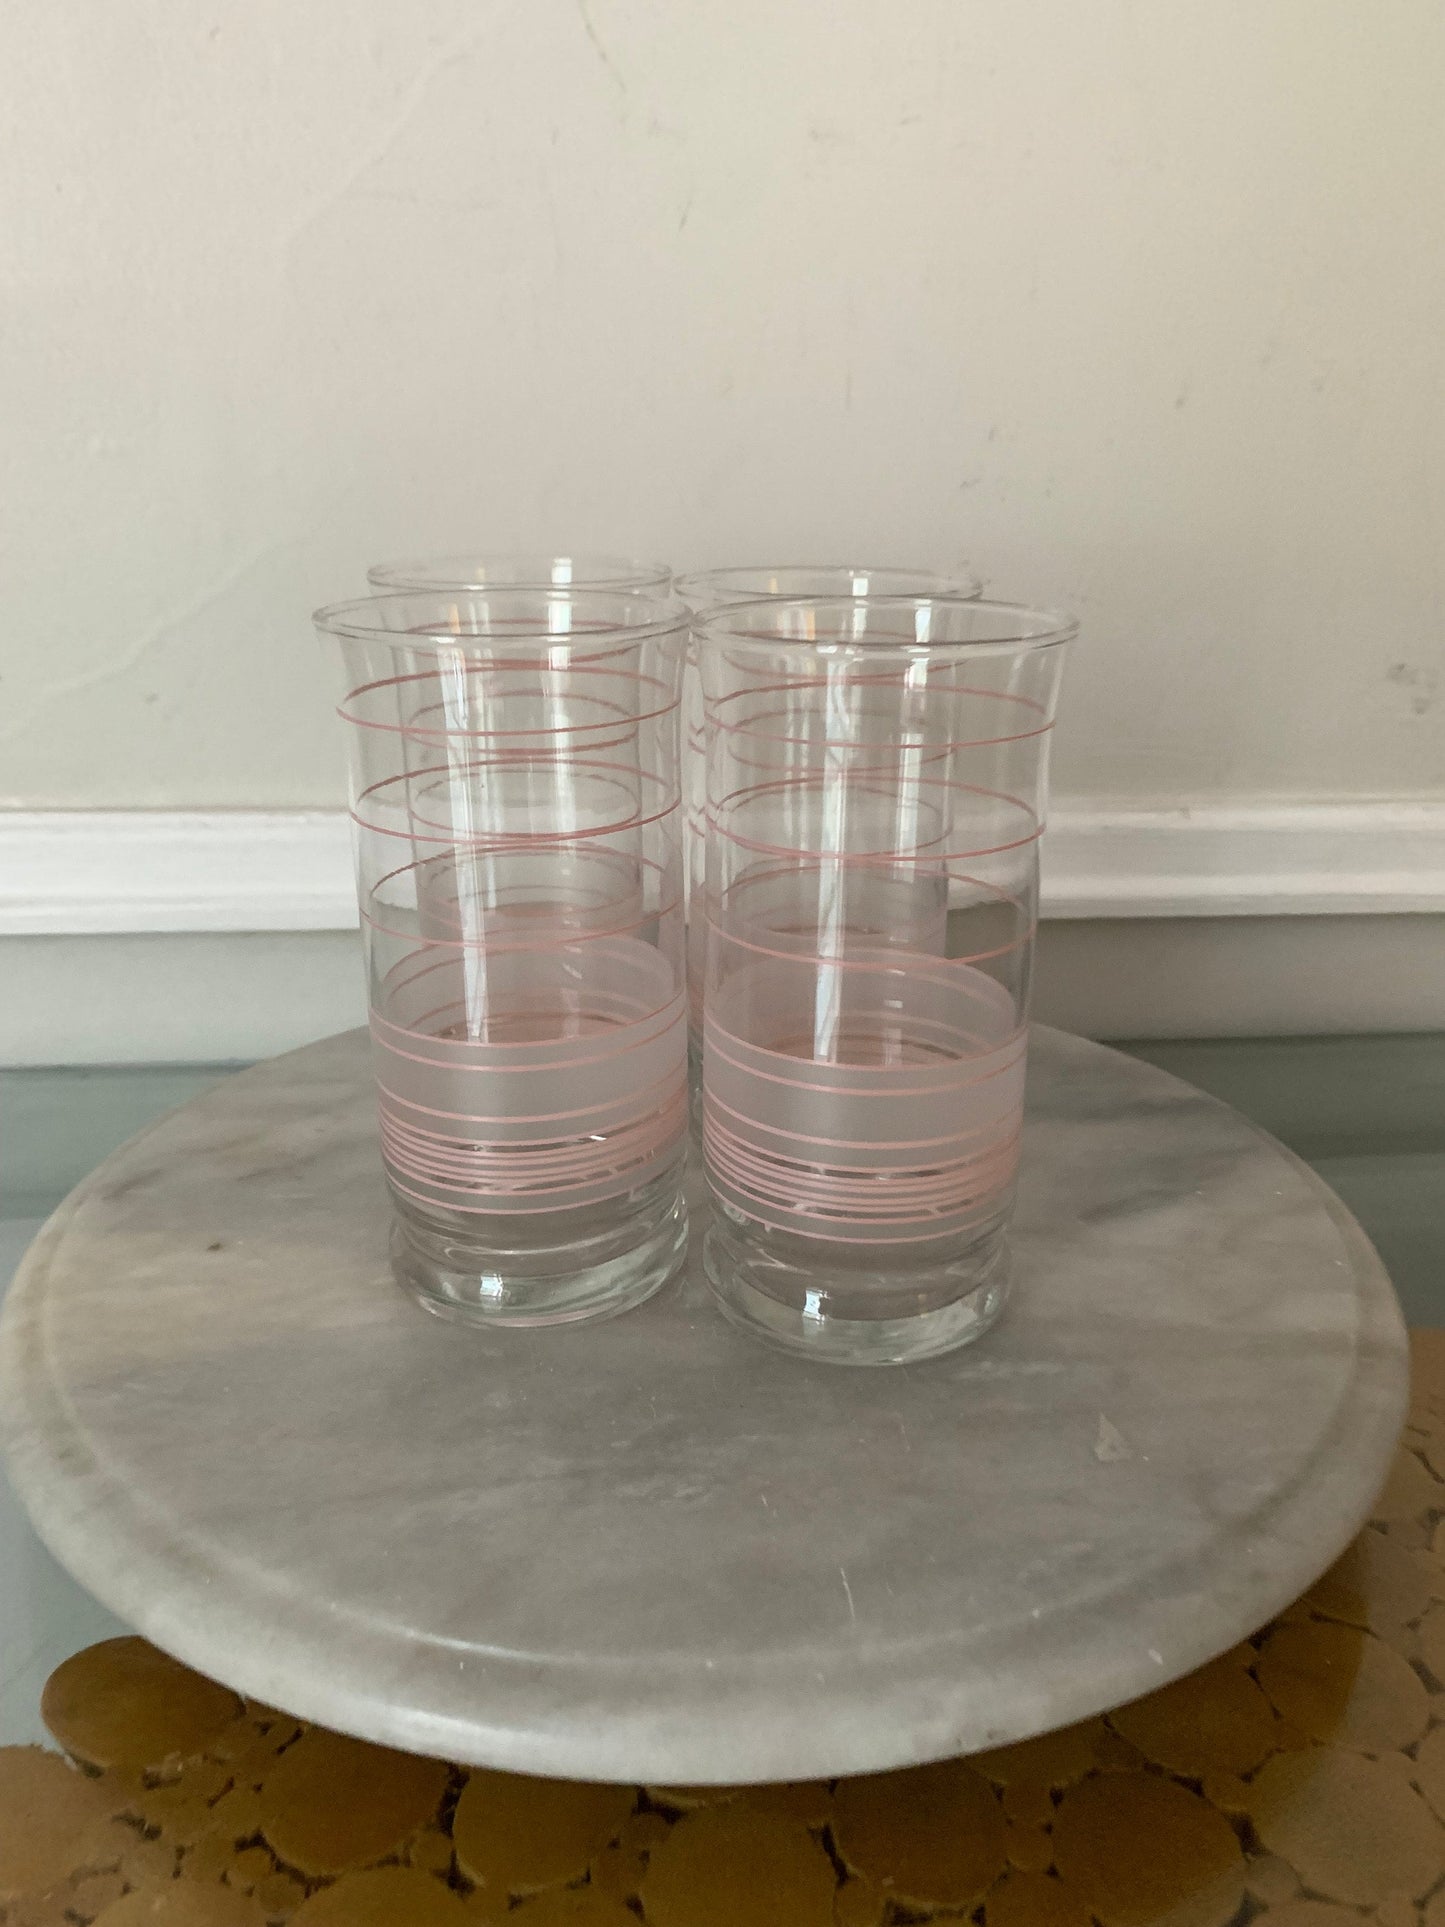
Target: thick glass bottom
<point>856,1315</point>
<point>547,1271</point>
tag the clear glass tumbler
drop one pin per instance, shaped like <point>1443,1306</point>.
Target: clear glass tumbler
<point>876,778</point>
<point>514,786</point>
<point>705,590</point>
<point>451,574</point>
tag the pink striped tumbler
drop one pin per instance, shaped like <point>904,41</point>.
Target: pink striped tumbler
<point>876,777</point>
<point>514,784</point>
<point>707,589</point>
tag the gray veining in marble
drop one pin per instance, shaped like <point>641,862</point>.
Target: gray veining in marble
<point>652,1549</point>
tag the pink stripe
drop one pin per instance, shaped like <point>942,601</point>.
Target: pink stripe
<point>501,841</point>
<point>863,859</point>
<point>711,1045</point>
<point>821,783</point>
<point>434,831</point>
<point>514,1166</point>
<point>906,960</point>
<point>549,937</point>
<point>571,671</point>
<point>401,1103</point>
<point>932,747</point>
<point>816,1192</point>
<point>792,865</point>
<point>939,1179</point>
<point>674,1015</point>
<point>517,1176</point>
<point>713,1103</point>
<point>427,959</point>
<point>951,974</point>
<point>796,1198</point>
<point>935,685</point>
<point>864,1173</point>
<point>609,1007</point>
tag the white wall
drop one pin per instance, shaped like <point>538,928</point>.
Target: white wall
<point>1141,306</point>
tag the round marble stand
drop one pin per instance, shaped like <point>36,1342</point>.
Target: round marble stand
<point>652,1549</point>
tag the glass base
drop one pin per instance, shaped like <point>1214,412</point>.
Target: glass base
<point>532,1284</point>
<point>826,1323</point>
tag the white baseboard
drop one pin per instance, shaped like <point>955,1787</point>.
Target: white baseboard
<point>143,872</point>
<point>135,872</point>
<point>1383,858</point>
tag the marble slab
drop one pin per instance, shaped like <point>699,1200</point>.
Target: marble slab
<point>652,1549</point>
<point>44,1615</point>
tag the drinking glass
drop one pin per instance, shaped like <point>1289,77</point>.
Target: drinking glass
<point>452,574</point>
<point>707,589</point>
<point>514,789</point>
<point>876,777</point>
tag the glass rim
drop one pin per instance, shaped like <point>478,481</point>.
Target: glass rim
<point>358,618</point>
<point>944,581</point>
<point>1049,628</point>
<point>462,571</point>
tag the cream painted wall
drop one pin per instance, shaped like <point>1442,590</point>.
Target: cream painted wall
<point>1140,304</point>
